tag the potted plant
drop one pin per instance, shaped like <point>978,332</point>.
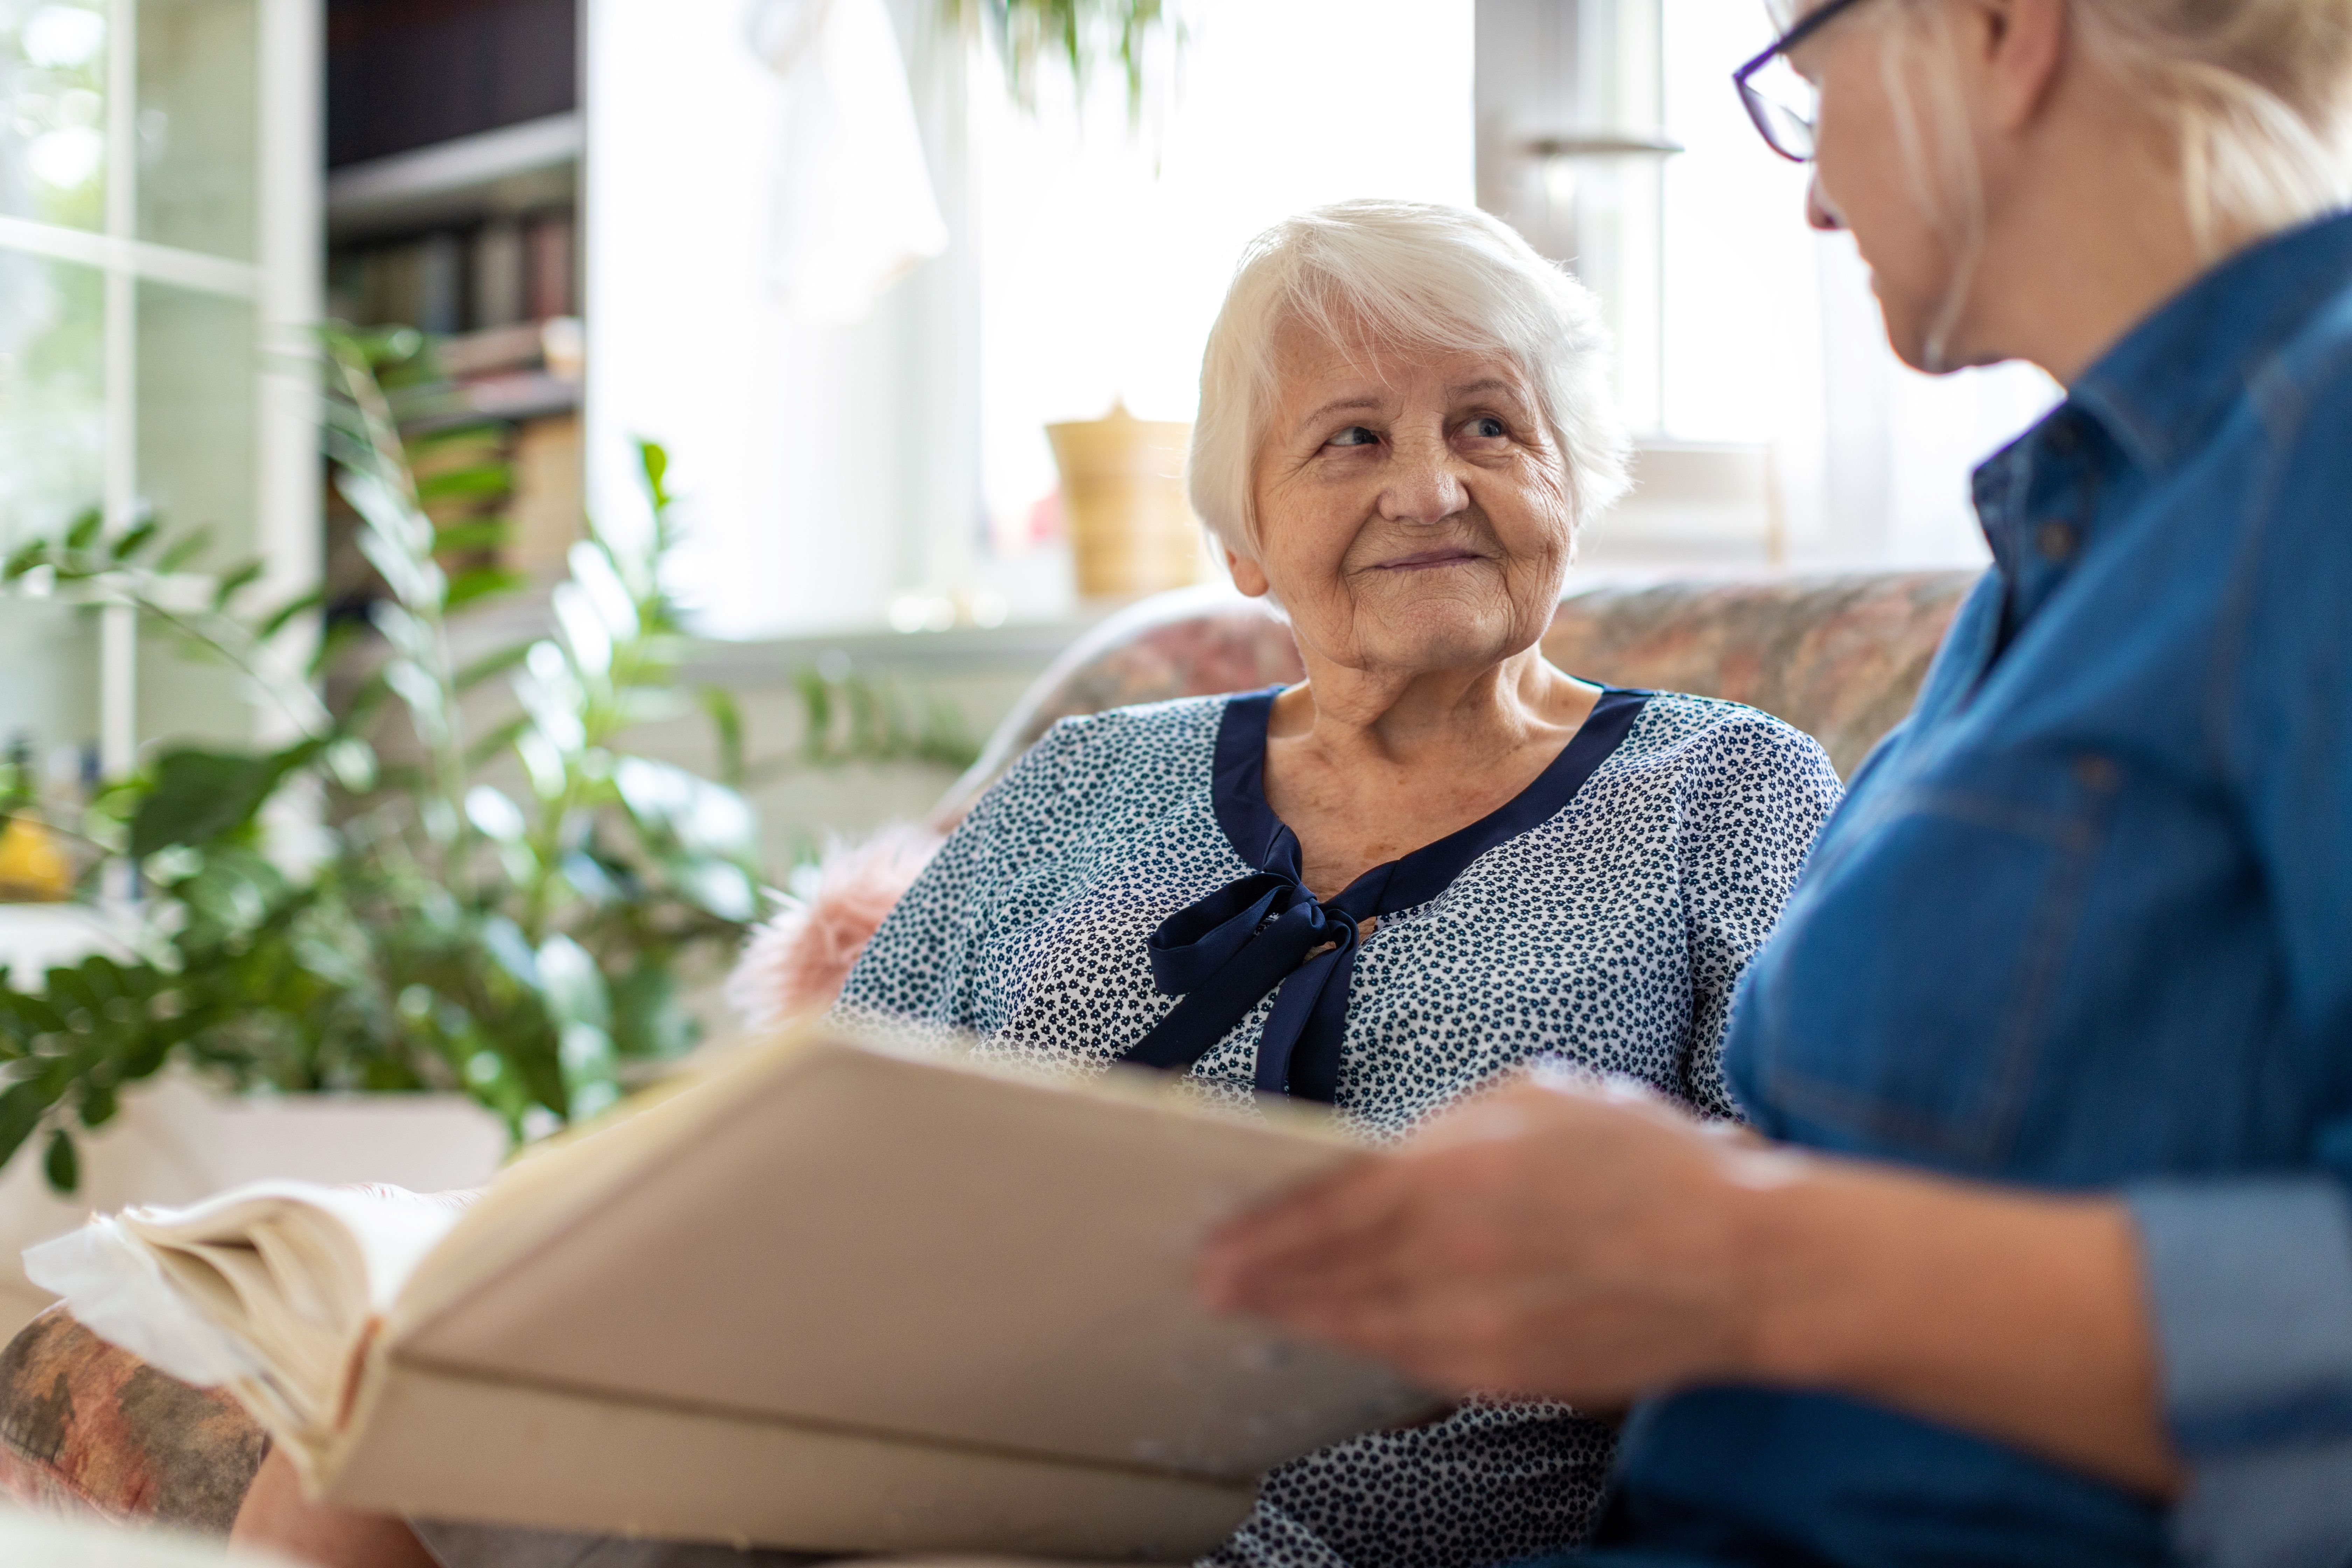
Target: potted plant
<point>530,944</point>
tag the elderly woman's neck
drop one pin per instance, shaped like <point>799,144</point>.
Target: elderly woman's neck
<point>1454,717</point>
<point>1366,766</point>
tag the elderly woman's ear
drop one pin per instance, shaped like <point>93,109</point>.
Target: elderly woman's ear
<point>1248,574</point>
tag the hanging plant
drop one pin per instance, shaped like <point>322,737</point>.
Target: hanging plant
<point>1084,35</point>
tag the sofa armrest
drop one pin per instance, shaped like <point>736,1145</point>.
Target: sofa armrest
<point>88,1428</point>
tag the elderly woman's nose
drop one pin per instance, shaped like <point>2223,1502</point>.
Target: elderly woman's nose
<point>1425,484</point>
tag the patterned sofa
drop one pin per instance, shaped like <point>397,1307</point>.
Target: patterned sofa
<point>87,1428</point>
<point>1838,656</point>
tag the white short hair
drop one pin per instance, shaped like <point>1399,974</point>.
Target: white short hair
<point>1413,276</point>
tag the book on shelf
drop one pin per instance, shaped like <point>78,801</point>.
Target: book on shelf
<point>499,295</point>
<point>826,1293</point>
<point>495,273</point>
<point>552,266</point>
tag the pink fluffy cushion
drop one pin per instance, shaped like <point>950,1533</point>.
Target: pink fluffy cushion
<point>796,964</point>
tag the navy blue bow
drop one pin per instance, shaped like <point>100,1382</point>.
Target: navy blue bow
<point>1225,951</point>
<point>1222,953</point>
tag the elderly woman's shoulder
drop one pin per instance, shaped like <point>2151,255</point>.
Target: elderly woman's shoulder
<point>1117,740</point>
<point>1179,721</point>
<point>1709,733</point>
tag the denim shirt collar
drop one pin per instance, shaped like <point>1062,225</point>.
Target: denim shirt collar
<point>2149,403</point>
<point>2161,388</point>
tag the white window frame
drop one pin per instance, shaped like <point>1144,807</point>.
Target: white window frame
<point>282,285</point>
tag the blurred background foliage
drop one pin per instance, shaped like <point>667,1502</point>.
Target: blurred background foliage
<point>391,900</point>
<point>1085,35</point>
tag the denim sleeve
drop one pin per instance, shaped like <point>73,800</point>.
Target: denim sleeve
<point>2251,1277</point>
<point>2250,1284</point>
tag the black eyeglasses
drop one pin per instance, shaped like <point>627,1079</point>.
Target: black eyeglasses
<point>1779,100</point>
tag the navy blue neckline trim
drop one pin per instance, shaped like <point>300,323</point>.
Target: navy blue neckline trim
<point>1266,843</point>
<point>1267,932</point>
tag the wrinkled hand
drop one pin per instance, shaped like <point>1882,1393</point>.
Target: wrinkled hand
<point>1560,1237</point>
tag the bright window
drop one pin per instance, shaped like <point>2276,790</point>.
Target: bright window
<point>1769,334</point>
<point>1101,279</point>
<point>158,174</point>
<point>833,470</point>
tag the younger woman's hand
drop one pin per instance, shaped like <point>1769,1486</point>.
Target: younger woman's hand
<point>1581,1240</point>
<point>1561,1237</point>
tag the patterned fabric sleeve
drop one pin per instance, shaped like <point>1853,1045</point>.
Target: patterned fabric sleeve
<point>1495,1481</point>
<point>1752,805</point>
<point>918,971</point>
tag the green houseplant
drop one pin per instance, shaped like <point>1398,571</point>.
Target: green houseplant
<point>403,896</point>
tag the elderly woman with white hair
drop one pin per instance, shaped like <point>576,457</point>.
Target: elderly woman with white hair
<point>1434,861</point>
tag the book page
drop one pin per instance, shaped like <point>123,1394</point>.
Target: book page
<point>271,1288</point>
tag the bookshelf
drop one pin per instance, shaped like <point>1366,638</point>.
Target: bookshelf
<point>454,138</point>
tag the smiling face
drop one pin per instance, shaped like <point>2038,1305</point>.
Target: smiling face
<point>1414,512</point>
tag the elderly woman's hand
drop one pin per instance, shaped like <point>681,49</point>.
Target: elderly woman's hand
<point>1555,1237</point>
<point>1584,1241</point>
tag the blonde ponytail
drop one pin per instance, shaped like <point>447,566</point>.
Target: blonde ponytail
<point>2258,93</point>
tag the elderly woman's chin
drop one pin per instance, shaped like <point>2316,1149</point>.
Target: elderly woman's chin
<point>1444,619</point>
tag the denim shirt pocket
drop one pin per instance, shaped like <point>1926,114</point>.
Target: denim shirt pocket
<point>1929,955</point>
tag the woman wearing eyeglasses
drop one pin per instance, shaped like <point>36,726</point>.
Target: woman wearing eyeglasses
<point>2044,1253</point>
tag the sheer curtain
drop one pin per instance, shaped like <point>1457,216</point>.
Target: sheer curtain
<point>1104,254</point>
<point>822,464</point>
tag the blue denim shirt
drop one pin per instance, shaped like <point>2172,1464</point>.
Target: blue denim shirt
<point>2085,922</point>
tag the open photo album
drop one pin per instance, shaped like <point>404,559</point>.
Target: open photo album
<point>826,1293</point>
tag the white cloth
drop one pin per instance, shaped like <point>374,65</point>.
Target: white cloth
<point>30,1541</point>
<point>855,211</point>
<point>116,1288</point>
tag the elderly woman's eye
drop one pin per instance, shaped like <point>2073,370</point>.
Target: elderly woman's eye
<point>1486,425</point>
<point>1354,435</point>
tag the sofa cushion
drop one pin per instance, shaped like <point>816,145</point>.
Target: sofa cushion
<point>88,1428</point>
<point>1840,657</point>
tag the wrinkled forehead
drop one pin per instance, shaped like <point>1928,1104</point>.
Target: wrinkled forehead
<point>1314,350</point>
<point>1787,13</point>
